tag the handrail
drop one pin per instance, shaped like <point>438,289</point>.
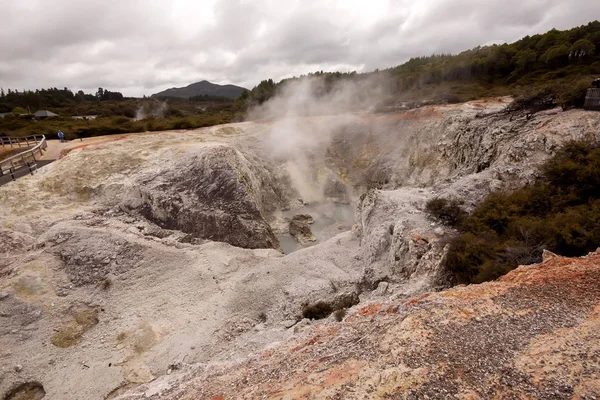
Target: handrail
<point>24,159</point>
<point>7,140</point>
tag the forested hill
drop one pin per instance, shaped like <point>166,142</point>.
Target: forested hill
<point>203,88</point>
<point>561,63</point>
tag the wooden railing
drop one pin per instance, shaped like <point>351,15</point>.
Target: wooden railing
<point>20,141</point>
<point>25,159</point>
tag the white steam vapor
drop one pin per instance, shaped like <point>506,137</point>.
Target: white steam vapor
<point>304,116</point>
<point>312,96</point>
<point>155,109</point>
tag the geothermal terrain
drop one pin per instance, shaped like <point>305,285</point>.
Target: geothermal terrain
<point>288,258</point>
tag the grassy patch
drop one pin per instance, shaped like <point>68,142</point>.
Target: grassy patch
<point>110,125</point>
<point>67,336</point>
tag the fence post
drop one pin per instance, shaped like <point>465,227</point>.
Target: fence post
<point>592,99</point>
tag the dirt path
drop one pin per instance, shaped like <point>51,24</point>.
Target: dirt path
<point>54,149</point>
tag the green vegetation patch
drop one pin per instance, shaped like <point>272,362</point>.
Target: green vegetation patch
<point>560,212</point>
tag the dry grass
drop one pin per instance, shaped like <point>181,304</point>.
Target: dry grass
<point>79,322</point>
<point>121,337</point>
<point>67,336</point>
<point>144,339</point>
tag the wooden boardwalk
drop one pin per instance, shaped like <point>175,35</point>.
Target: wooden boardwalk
<point>31,158</point>
<point>22,172</point>
<point>592,99</point>
<point>25,160</point>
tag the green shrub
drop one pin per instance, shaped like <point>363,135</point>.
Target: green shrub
<point>340,315</point>
<point>446,211</point>
<point>561,213</point>
<point>573,95</point>
<point>119,120</point>
<point>183,123</point>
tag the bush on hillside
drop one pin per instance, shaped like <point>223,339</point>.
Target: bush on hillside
<point>447,211</point>
<point>535,101</point>
<point>560,213</point>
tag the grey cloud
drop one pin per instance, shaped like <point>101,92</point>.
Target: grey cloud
<point>140,47</point>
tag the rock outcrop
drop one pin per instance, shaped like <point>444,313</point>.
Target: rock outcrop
<point>300,228</point>
<point>209,195</point>
<point>398,241</point>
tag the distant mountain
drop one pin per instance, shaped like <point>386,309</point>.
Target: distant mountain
<point>201,89</point>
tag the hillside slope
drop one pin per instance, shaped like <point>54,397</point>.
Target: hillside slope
<point>558,64</point>
<point>202,88</point>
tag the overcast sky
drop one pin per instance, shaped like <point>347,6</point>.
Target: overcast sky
<point>144,46</point>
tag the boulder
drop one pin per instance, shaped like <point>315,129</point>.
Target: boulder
<point>300,229</point>
<point>211,195</point>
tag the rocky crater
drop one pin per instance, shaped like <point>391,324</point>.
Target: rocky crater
<point>532,334</point>
<point>148,258</point>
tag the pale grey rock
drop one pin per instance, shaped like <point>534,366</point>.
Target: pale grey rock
<point>210,196</point>
<point>382,288</point>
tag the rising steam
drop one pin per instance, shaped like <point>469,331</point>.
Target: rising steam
<point>152,109</point>
<point>305,115</point>
<point>316,95</point>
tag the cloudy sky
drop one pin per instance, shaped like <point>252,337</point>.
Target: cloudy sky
<point>143,46</point>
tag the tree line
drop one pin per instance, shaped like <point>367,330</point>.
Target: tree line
<point>51,98</point>
<point>563,61</point>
